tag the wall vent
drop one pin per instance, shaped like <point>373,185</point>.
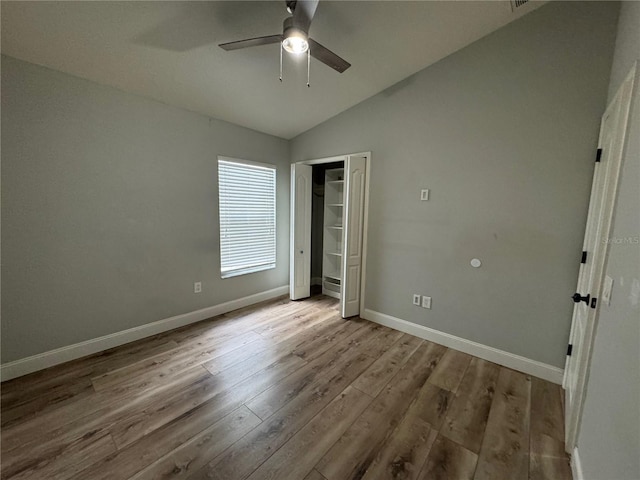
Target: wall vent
<point>515,4</point>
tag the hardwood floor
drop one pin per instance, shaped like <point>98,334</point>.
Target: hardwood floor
<point>282,390</point>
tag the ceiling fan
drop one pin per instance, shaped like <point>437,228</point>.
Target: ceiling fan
<point>295,37</point>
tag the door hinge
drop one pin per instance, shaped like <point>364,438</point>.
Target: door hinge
<point>598,155</point>
<point>594,302</point>
<point>584,257</point>
<point>569,350</point>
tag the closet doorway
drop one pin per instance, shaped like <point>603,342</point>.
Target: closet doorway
<point>329,201</point>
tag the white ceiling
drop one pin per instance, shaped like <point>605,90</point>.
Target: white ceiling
<point>168,51</point>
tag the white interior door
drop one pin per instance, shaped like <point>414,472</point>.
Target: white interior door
<point>605,179</point>
<point>354,192</point>
<point>300,244</point>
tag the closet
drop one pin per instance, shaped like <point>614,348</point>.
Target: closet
<point>327,228</point>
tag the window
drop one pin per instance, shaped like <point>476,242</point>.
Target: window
<point>247,194</point>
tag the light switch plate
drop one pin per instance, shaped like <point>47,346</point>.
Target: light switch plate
<point>606,290</point>
<point>424,194</point>
<point>416,299</point>
<point>426,302</point>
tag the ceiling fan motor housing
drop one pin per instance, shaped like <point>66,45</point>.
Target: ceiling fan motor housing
<point>290,30</point>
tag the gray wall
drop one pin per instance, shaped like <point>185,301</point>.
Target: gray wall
<point>110,209</point>
<point>609,438</point>
<point>503,132</point>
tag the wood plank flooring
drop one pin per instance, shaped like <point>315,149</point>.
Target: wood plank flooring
<point>281,390</point>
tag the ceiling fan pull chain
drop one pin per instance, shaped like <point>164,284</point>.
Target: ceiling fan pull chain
<point>308,65</point>
<point>281,62</point>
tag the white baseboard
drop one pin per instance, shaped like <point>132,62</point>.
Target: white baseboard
<point>576,465</point>
<point>510,360</point>
<point>48,359</point>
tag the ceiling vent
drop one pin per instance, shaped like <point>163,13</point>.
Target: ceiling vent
<point>515,4</point>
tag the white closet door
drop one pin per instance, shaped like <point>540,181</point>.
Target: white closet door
<point>592,271</point>
<point>354,190</point>
<point>300,245</point>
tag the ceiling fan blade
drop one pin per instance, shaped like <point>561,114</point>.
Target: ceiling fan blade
<point>327,57</point>
<point>251,42</point>
<point>303,14</point>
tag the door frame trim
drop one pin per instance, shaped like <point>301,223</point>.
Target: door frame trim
<point>574,415</point>
<point>365,224</point>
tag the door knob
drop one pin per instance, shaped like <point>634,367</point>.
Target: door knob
<point>577,298</point>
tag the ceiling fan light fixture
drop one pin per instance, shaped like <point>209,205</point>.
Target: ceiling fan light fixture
<point>295,43</point>
<point>295,38</point>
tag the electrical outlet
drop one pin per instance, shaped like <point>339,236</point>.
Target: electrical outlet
<point>426,302</point>
<point>197,287</point>
<point>416,299</point>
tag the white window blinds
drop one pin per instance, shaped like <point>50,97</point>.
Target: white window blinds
<point>247,217</point>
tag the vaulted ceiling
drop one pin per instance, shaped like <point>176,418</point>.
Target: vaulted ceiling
<point>168,51</point>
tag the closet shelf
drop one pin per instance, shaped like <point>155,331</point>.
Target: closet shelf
<point>334,203</point>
